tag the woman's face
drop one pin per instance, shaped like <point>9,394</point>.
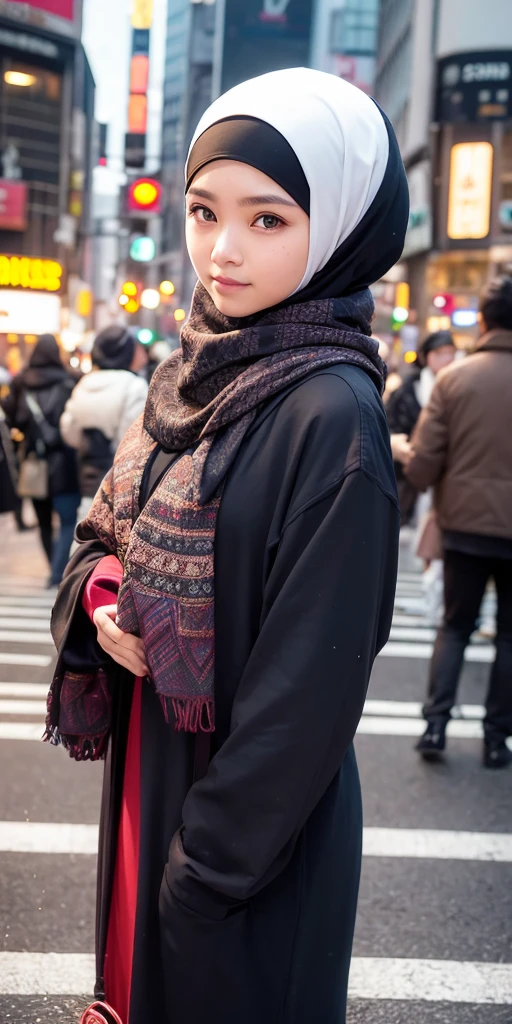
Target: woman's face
<point>247,238</point>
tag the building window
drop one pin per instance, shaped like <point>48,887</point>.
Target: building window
<point>354,28</point>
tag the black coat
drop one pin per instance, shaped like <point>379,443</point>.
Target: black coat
<point>51,387</point>
<point>248,878</point>
<point>403,408</point>
<point>8,470</point>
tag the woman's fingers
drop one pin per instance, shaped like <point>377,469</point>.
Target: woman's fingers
<point>128,659</point>
<point>124,648</point>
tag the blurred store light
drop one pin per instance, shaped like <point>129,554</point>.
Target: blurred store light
<point>167,288</point>
<point>129,288</point>
<point>19,78</point>
<point>469,197</point>
<point>150,298</point>
<point>464,318</point>
<point>142,249</point>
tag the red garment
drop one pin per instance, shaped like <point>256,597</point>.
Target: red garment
<point>121,927</point>
<point>101,589</point>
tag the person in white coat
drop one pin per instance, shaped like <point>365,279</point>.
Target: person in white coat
<point>103,405</point>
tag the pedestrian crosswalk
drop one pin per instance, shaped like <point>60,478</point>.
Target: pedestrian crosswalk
<point>434,838</point>
<point>412,636</point>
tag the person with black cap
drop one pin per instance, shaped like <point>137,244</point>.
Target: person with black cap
<point>251,519</point>
<point>103,405</point>
<point>405,404</point>
<point>462,446</point>
<point>34,405</point>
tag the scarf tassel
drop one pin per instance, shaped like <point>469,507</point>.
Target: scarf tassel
<point>80,748</point>
<point>191,715</point>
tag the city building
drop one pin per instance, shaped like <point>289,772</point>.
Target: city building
<point>187,92</point>
<point>46,146</point>
<point>127,58</point>
<point>444,77</point>
<point>344,40</point>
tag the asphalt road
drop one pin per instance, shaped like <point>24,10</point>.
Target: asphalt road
<point>434,933</point>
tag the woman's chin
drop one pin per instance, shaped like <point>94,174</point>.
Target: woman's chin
<point>236,305</point>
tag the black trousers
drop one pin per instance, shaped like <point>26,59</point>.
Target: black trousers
<point>465,580</point>
<point>44,509</point>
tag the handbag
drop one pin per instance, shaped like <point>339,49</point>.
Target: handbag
<point>430,544</point>
<point>100,1013</point>
<point>33,480</point>
<point>33,477</point>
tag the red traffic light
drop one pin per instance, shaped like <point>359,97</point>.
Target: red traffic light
<point>144,196</point>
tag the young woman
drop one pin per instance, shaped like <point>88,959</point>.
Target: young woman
<point>260,477</point>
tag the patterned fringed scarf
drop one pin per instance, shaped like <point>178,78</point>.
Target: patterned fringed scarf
<point>201,402</point>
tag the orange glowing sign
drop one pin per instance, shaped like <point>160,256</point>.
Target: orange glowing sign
<point>469,197</point>
<point>137,114</point>
<point>139,74</point>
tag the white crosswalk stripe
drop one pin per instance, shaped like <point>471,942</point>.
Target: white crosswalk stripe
<point>412,636</point>
<point>24,621</point>
<point>432,844</point>
<point>370,978</point>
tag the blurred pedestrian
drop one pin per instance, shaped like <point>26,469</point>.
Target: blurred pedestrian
<point>34,405</point>
<point>8,469</point>
<point>405,404</point>
<point>462,446</point>
<point>103,405</point>
<point>260,475</point>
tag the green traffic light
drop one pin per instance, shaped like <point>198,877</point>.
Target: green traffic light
<point>146,336</point>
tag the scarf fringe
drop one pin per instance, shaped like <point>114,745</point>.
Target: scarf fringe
<point>194,715</point>
<point>80,748</point>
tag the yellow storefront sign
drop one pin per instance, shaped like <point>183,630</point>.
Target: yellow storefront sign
<point>469,197</point>
<point>27,272</point>
<point>142,13</point>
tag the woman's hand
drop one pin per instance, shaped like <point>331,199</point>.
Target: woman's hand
<point>126,649</point>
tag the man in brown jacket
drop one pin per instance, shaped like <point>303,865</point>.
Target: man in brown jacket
<point>463,445</point>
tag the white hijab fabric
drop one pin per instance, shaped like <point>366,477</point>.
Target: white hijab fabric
<point>338,135</point>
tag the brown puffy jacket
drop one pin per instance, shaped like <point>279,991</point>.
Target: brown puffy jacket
<point>462,443</point>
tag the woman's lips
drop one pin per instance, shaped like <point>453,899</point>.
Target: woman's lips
<point>228,284</point>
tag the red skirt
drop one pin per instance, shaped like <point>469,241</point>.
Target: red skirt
<point>101,590</point>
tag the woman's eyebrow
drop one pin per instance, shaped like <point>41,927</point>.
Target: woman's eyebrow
<point>202,193</point>
<point>266,201</point>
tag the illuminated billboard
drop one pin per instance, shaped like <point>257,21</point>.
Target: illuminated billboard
<point>469,197</point>
<point>62,16</point>
<point>263,35</point>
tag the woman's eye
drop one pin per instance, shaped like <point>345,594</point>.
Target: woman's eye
<point>202,213</point>
<point>268,221</point>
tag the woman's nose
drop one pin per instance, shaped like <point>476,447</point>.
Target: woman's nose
<point>226,249</point>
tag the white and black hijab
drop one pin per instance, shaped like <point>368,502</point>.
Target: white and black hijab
<point>334,151</point>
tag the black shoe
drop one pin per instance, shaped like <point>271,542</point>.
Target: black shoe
<point>496,754</point>
<point>432,743</point>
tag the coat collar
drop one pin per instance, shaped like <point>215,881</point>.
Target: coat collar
<point>495,340</point>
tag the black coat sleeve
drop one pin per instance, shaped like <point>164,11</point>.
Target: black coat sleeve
<point>326,614</point>
<point>402,410</point>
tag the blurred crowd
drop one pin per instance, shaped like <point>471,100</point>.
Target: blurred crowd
<point>451,425</point>
<point>451,428</point>
<point>60,432</point>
